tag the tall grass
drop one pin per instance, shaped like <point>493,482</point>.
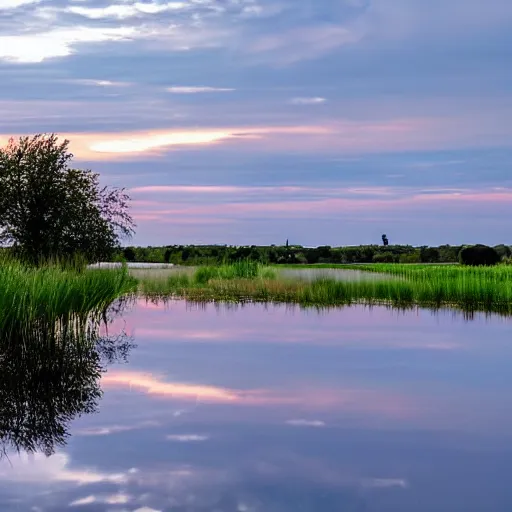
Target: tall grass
<point>45,296</point>
<point>244,269</point>
<point>203,276</point>
<point>467,288</point>
<point>490,287</point>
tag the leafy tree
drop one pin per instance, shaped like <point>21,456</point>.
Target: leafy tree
<point>411,257</point>
<point>129,254</point>
<point>49,209</point>
<point>384,257</point>
<point>385,240</point>
<point>429,255</point>
<point>476,255</point>
<point>503,251</point>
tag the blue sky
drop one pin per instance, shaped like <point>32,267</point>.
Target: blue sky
<point>254,121</point>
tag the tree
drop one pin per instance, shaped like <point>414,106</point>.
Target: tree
<point>503,251</point>
<point>429,254</point>
<point>476,255</point>
<point>384,257</point>
<point>49,209</point>
<point>385,240</point>
<point>129,254</point>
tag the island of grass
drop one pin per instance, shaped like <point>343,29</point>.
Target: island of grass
<point>468,288</point>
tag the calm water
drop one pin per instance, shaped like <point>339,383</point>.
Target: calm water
<point>276,409</point>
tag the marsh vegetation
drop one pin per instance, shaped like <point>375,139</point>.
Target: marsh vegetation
<point>468,288</point>
<point>51,296</point>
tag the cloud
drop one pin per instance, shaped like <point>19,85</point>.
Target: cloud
<point>196,89</point>
<point>187,438</point>
<point>307,101</point>
<point>148,143</point>
<point>154,386</point>
<point>223,203</point>
<point>83,501</point>
<point>14,4</point>
<point>98,83</point>
<point>37,468</point>
<point>123,11</point>
<point>218,189</point>
<point>112,499</point>
<point>117,499</point>
<point>61,42</point>
<point>363,401</point>
<point>99,146</point>
<point>114,429</point>
<point>306,423</point>
<point>304,43</point>
<point>384,483</point>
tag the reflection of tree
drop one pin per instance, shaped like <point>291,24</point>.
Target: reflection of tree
<point>50,376</point>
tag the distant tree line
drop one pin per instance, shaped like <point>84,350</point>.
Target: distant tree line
<point>296,254</point>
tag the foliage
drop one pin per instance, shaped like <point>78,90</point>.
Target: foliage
<point>384,257</point>
<point>49,209</point>
<point>194,255</point>
<point>476,255</point>
<point>412,257</point>
<point>47,295</point>
<point>504,251</point>
<point>429,255</point>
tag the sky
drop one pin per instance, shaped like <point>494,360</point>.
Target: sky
<point>325,122</point>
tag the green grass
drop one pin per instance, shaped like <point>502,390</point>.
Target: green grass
<point>204,276</point>
<point>434,286</point>
<point>49,296</point>
<point>35,299</point>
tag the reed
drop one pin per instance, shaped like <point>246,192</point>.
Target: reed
<point>51,295</point>
<point>466,288</point>
<point>204,276</point>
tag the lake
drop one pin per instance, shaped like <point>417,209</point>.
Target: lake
<point>278,409</point>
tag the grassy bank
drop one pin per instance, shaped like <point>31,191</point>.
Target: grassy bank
<point>32,297</point>
<point>467,288</point>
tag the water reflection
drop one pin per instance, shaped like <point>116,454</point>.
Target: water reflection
<point>276,409</point>
<point>50,375</point>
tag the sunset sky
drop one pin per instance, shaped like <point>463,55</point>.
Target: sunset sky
<point>325,122</point>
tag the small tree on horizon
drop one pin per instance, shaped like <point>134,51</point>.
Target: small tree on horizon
<point>385,240</point>
<point>51,210</point>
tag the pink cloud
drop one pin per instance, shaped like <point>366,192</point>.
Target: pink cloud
<point>335,136</point>
<point>357,400</point>
<point>385,199</point>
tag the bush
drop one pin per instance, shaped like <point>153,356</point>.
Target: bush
<point>477,255</point>
<point>301,259</point>
<point>503,251</point>
<point>384,257</point>
<point>429,255</point>
<point>412,257</point>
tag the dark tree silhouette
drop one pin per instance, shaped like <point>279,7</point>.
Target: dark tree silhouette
<point>49,209</point>
<point>477,255</point>
<point>385,240</point>
<point>49,376</point>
